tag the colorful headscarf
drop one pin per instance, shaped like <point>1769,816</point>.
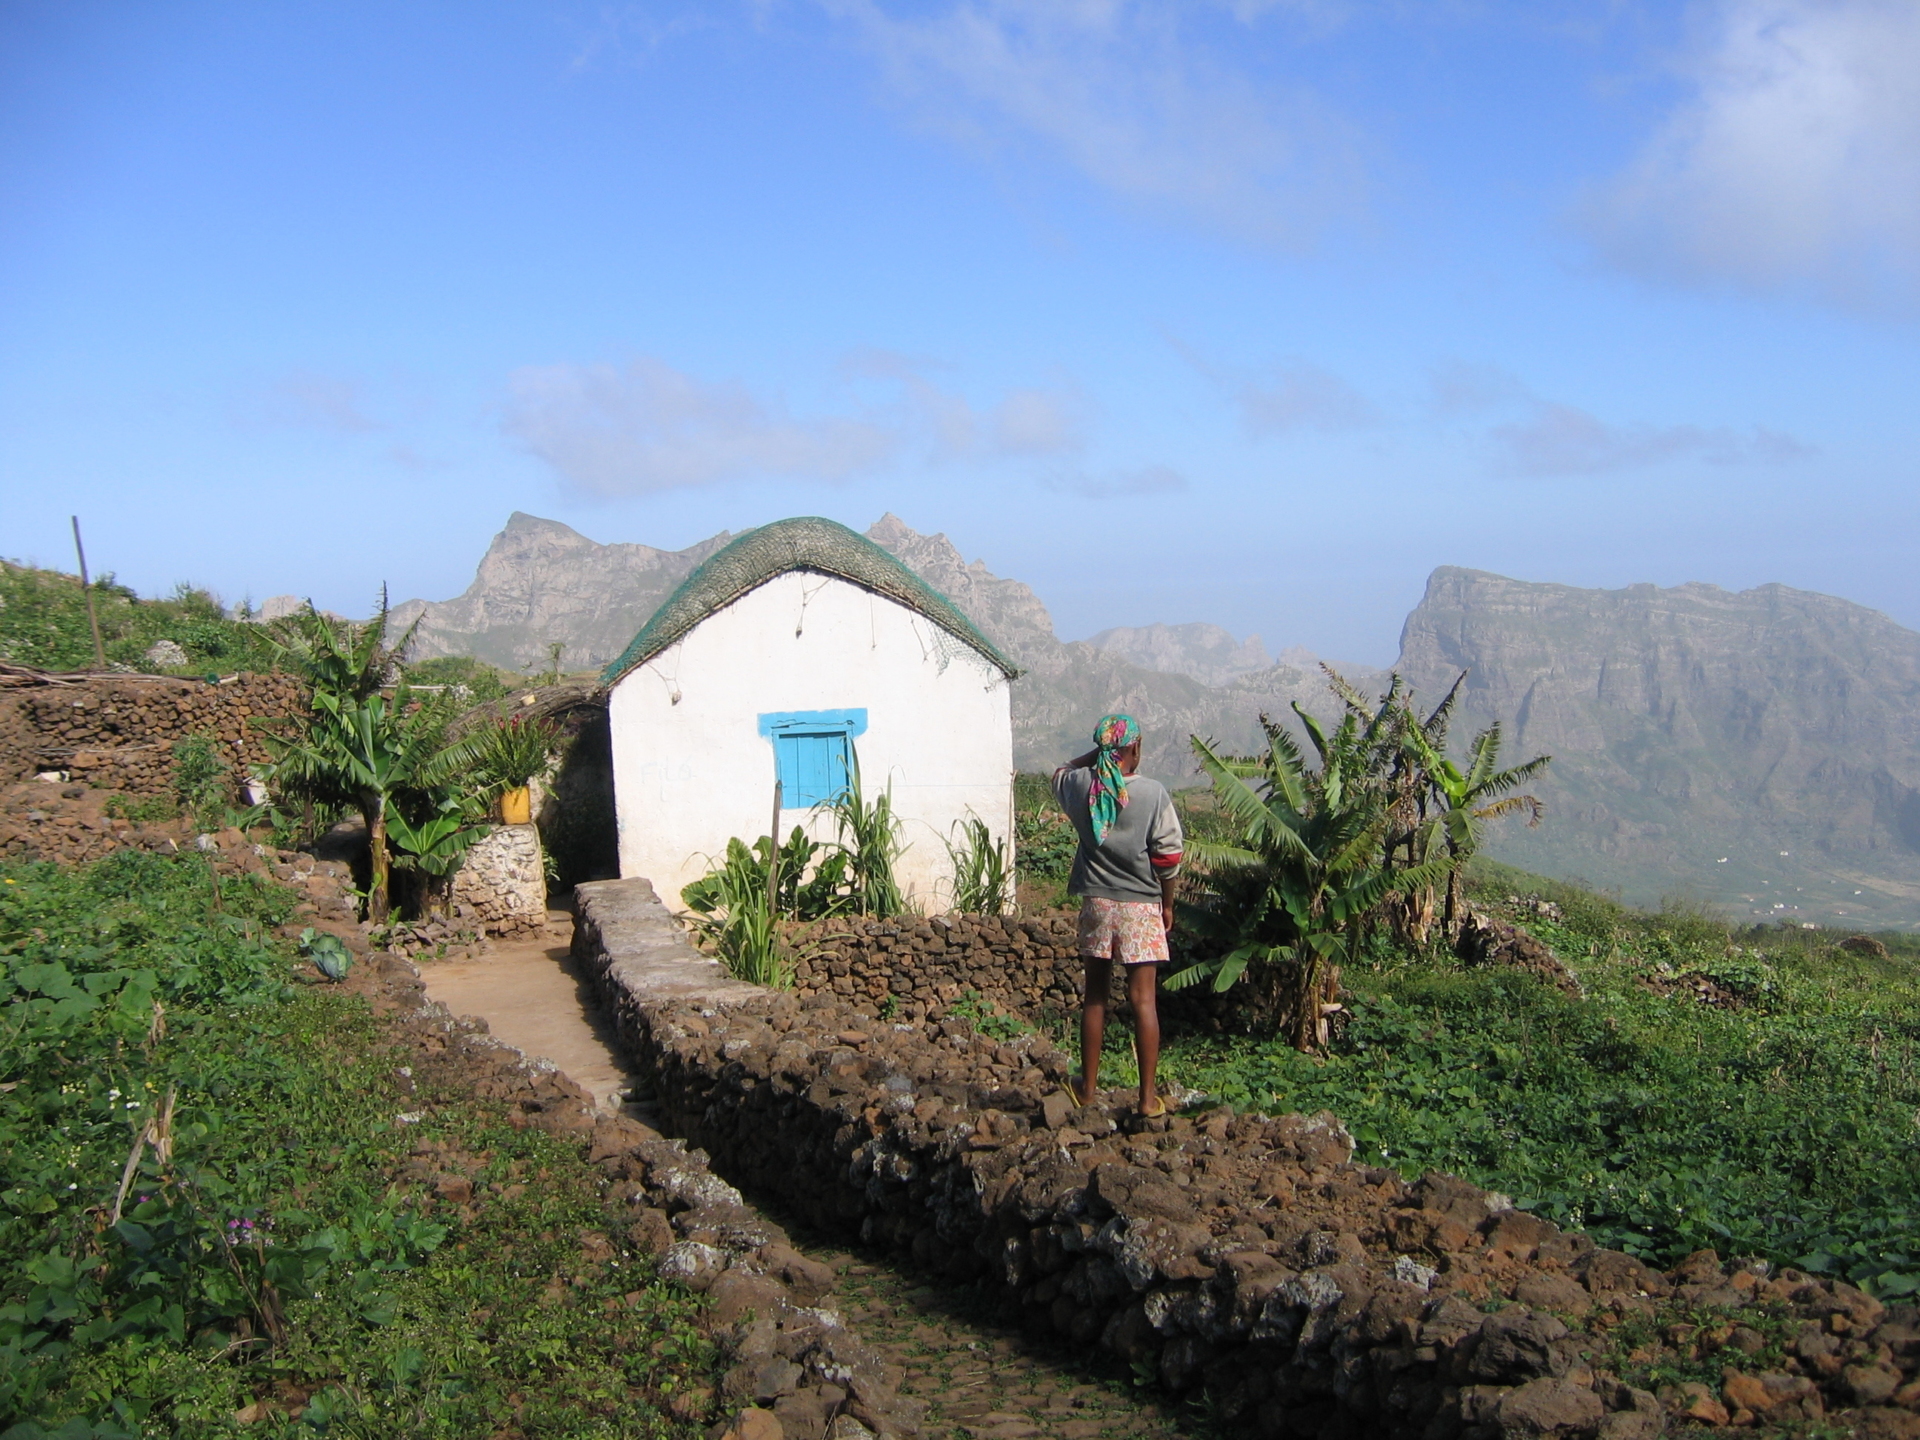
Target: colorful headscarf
<point>1109,789</point>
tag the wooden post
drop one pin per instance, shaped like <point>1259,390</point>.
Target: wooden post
<point>773,859</point>
<point>86,589</point>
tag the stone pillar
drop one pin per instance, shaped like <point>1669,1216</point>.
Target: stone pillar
<point>502,883</point>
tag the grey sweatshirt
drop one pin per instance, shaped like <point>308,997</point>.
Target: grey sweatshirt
<point>1143,844</point>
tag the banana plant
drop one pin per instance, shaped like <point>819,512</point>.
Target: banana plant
<point>367,753</point>
<point>1465,798</point>
<point>436,846</point>
<point>1306,871</point>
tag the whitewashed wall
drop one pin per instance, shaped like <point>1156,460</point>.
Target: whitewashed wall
<point>690,767</point>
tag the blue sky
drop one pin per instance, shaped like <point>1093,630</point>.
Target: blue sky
<point>1250,311</point>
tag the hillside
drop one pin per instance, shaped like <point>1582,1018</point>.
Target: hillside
<point>1758,750</point>
<point>1206,652</point>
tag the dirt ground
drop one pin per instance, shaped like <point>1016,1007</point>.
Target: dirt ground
<point>531,995</point>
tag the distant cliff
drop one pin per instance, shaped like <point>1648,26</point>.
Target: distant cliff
<point>542,582</point>
<point>1206,652</point>
<point>1760,750</point>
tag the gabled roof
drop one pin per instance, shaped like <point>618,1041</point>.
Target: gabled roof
<point>805,543</point>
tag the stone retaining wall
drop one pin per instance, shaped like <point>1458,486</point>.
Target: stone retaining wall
<point>1243,1255</point>
<point>117,733</point>
<point>915,967</point>
<point>922,965</point>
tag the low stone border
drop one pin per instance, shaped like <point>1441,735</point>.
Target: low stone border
<point>1243,1255</point>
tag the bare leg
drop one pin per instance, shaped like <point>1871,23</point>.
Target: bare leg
<point>1143,994</point>
<point>1093,1023</point>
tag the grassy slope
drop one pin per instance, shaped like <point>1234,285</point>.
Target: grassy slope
<point>400,1307</point>
<point>1779,1122</point>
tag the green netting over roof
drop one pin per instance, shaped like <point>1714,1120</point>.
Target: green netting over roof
<point>805,543</point>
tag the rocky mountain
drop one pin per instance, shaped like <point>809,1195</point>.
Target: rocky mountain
<point>542,582</point>
<point>1759,751</point>
<point>1206,652</point>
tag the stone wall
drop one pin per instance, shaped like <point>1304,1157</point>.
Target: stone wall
<point>1244,1256</point>
<point>117,733</point>
<point>915,967</point>
<point>923,964</point>
<point>502,883</point>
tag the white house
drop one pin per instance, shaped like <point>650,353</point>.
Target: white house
<point>797,652</point>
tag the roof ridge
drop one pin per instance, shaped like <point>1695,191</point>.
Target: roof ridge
<point>803,542</point>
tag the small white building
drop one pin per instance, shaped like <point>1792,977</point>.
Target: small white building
<point>796,653</point>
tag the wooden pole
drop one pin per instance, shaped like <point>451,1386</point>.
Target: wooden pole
<point>773,859</point>
<point>86,588</point>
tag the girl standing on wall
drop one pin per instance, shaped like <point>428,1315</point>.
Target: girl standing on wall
<point>1124,873</point>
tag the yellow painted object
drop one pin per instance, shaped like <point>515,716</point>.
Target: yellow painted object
<point>516,806</point>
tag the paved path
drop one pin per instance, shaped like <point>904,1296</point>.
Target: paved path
<point>981,1379</point>
<point>532,996</point>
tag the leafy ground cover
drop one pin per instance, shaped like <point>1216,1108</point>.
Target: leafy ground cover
<point>227,1201</point>
<point>1753,1092</point>
<point>43,623</point>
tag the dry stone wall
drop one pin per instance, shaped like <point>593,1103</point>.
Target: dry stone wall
<point>916,968</point>
<point>501,881</point>
<point>1245,1256</point>
<point>923,965</point>
<point>118,733</point>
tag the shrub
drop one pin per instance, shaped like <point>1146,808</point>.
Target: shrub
<point>982,880</point>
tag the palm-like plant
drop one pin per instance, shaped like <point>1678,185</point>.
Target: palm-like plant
<point>436,846</point>
<point>1307,868</point>
<point>389,759</point>
<point>371,754</point>
<point>1465,798</point>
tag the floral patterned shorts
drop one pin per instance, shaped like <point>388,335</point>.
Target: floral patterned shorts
<point>1125,930</point>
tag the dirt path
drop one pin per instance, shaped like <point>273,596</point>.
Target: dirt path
<point>531,996</point>
<point>979,1376</point>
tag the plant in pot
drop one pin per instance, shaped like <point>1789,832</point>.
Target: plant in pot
<point>514,752</point>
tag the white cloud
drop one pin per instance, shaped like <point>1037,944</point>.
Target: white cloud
<point>1288,395</point>
<point>1117,90</point>
<point>1037,422</point>
<point>1025,422</point>
<point>648,427</point>
<point>1463,386</point>
<point>1301,396</point>
<point>1796,161</point>
<point>323,402</point>
<point>1558,440</point>
<point>642,427</point>
<point>1149,480</point>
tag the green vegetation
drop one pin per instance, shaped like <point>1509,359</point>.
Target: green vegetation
<point>214,1209</point>
<point>1044,841</point>
<point>422,790</point>
<point>982,880</point>
<point>202,780</point>
<point>869,836</point>
<point>738,903</point>
<point>1315,861</point>
<point>43,623</point>
<point>730,909</point>
<point>1755,1092</point>
<point>474,681</point>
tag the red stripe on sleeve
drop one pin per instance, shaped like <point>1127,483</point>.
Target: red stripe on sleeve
<point>1165,862</point>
